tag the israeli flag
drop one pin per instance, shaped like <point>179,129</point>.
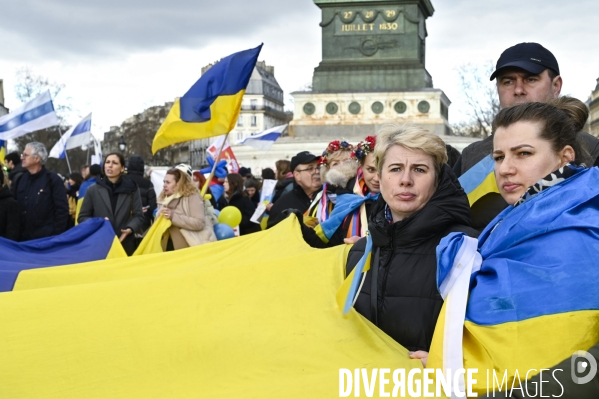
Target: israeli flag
<point>265,139</point>
<point>78,135</point>
<point>34,115</point>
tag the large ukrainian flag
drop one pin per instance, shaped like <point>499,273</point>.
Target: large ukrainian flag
<point>211,107</point>
<point>249,317</point>
<point>535,300</point>
<point>86,242</point>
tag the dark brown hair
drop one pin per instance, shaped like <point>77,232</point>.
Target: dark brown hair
<point>560,121</point>
<point>235,184</point>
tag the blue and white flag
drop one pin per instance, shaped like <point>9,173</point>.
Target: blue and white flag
<point>76,136</point>
<point>264,140</point>
<point>34,115</point>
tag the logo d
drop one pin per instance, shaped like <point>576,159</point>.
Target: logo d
<point>577,368</point>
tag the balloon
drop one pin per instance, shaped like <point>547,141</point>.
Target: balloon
<point>230,215</point>
<point>216,212</point>
<point>223,231</point>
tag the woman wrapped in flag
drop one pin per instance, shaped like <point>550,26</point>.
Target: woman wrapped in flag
<point>421,202</point>
<point>530,294</point>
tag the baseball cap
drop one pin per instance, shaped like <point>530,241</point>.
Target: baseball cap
<point>531,57</point>
<point>302,158</point>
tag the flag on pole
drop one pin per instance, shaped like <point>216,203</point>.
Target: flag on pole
<point>34,115</point>
<point>265,139</point>
<point>98,152</point>
<point>76,136</point>
<point>226,154</point>
<point>211,106</point>
<point>479,180</point>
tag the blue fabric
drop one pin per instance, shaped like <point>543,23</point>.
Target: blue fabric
<point>345,205</point>
<point>227,77</point>
<point>85,185</point>
<point>539,258</point>
<point>85,242</point>
<point>447,250</point>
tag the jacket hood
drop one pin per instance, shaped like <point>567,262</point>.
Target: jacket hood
<point>135,164</point>
<point>448,206</point>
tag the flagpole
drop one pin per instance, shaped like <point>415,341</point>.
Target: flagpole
<point>205,188</point>
<point>65,150</point>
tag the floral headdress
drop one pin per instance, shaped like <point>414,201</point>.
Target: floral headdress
<point>364,148</point>
<point>334,146</point>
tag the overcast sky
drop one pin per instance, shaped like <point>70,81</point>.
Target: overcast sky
<point>118,57</point>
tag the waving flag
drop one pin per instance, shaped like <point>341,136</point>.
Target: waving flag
<point>211,107</point>
<point>34,115</point>
<point>226,154</point>
<point>264,140</point>
<point>76,136</point>
<point>2,150</point>
<point>201,322</point>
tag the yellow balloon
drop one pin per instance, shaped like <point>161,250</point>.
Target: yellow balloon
<point>230,215</point>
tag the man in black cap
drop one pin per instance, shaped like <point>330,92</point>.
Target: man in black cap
<point>526,72</point>
<point>306,175</point>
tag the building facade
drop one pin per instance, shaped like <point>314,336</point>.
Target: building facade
<point>593,122</point>
<point>3,109</point>
<point>262,106</point>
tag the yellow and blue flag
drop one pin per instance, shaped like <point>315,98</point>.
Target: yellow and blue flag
<point>2,150</point>
<point>86,242</point>
<point>211,106</point>
<point>534,301</point>
<point>201,322</point>
<point>479,180</point>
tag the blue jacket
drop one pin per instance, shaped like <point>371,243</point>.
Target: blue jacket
<point>43,205</point>
<point>85,185</point>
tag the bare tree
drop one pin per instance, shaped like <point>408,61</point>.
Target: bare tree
<point>28,86</point>
<point>480,96</point>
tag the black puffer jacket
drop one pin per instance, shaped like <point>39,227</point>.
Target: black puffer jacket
<point>404,263</point>
<point>135,172</point>
<point>10,222</point>
<point>247,208</point>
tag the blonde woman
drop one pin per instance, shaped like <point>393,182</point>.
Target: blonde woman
<point>180,203</point>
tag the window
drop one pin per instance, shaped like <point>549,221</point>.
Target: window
<point>253,105</point>
<point>239,136</point>
<point>240,120</point>
<point>253,120</point>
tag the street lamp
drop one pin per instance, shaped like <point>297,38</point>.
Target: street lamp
<point>122,144</point>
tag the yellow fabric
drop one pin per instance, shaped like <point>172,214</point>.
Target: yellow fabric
<point>489,185</point>
<point>152,241</point>
<point>116,250</point>
<point>224,114</point>
<point>519,345</point>
<point>249,317</point>
<point>79,203</point>
<point>343,290</point>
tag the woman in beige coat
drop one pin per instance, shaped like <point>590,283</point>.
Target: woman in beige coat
<point>180,203</point>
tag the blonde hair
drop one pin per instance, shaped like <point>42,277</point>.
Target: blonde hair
<point>184,185</point>
<point>339,155</point>
<point>413,138</point>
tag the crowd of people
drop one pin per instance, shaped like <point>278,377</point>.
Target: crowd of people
<point>399,189</point>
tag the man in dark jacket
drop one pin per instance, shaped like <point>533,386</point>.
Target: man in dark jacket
<point>135,171</point>
<point>10,224</point>
<point>525,72</point>
<point>306,184</point>
<point>41,196</point>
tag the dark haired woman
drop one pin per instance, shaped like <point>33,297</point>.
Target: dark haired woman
<point>536,282</point>
<point>237,197</point>
<point>116,199</point>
